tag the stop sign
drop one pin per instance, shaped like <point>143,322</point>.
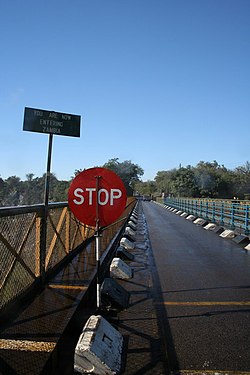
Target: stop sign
<point>97,193</point>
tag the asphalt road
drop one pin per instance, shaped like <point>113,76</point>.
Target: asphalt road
<point>203,285</point>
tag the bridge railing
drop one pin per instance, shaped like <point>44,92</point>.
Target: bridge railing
<point>232,214</point>
<point>27,256</point>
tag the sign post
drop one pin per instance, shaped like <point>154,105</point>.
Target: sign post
<point>49,122</point>
<point>97,197</point>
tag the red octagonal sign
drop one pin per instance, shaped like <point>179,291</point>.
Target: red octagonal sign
<point>97,193</point>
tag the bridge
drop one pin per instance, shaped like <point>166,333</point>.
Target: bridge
<point>189,296</point>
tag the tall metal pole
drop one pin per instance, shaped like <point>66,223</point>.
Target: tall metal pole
<point>46,205</point>
<point>47,181</point>
<point>98,247</point>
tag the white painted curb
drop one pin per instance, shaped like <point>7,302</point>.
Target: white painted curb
<point>127,244</point>
<point>227,234</point>
<point>200,221</point>
<point>130,231</point>
<point>99,348</point>
<point>247,247</point>
<point>191,218</point>
<point>120,270</point>
<point>132,225</point>
<point>210,226</point>
<point>184,214</point>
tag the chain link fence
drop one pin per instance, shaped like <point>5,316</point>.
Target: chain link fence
<point>27,256</point>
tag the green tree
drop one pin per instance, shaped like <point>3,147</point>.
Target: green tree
<point>145,188</point>
<point>129,172</point>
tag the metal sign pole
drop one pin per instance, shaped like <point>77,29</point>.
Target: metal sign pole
<point>46,205</point>
<point>98,247</point>
<point>47,181</point>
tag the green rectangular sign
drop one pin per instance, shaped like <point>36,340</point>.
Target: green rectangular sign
<point>50,122</point>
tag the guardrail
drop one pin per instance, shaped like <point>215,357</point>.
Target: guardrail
<point>230,214</point>
<point>27,257</point>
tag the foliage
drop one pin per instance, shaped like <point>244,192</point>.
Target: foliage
<point>130,173</point>
<point>14,192</point>
<point>206,179</point>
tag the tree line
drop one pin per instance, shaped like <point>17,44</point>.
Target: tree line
<point>15,192</point>
<point>206,179</point>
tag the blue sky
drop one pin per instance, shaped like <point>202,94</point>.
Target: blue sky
<point>157,82</point>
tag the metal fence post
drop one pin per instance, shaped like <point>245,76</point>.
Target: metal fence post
<point>232,216</point>
<point>222,214</point>
<point>206,216</point>
<point>213,212</point>
<point>247,220</point>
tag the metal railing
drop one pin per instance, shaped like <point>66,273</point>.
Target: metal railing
<point>27,256</point>
<point>229,214</point>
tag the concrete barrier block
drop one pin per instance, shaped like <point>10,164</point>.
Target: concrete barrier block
<point>200,221</point>
<point>132,225</point>
<point>133,220</point>
<point>214,227</point>
<point>130,231</point>
<point>120,270</point>
<point>123,254</point>
<point>113,296</point>
<point>228,234</point>
<point>127,244</point>
<point>191,217</point>
<point>241,239</point>
<point>130,238</point>
<point>99,348</point>
<point>184,214</point>
<point>247,247</point>
<point>178,212</point>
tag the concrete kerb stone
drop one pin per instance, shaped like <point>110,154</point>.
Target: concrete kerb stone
<point>247,247</point>
<point>114,297</point>
<point>228,233</point>
<point>191,217</point>
<point>130,238</point>
<point>241,239</point>
<point>99,348</point>
<point>122,253</point>
<point>200,221</point>
<point>184,214</point>
<point>214,227</point>
<point>132,225</point>
<point>120,270</point>
<point>127,244</point>
<point>130,232</point>
<point>178,212</point>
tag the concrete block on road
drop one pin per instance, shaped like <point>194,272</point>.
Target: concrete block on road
<point>200,221</point>
<point>241,239</point>
<point>130,231</point>
<point>127,244</point>
<point>113,296</point>
<point>191,217</point>
<point>123,254</point>
<point>99,348</point>
<point>228,233</point>
<point>120,270</point>
<point>184,214</point>
<point>247,247</point>
<point>178,212</point>
<point>132,225</point>
<point>214,227</point>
